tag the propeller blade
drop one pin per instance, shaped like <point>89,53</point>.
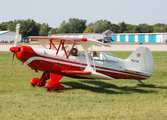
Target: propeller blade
<point>12,59</point>
<point>17,34</point>
<point>11,63</point>
<point>14,49</point>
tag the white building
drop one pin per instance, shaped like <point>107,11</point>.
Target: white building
<point>139,37</point>
<point>8,36</point>
<point>79,35</point>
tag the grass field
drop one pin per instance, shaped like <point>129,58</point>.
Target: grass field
<point>83,99</point>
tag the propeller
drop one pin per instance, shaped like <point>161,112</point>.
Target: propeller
<point>12,59</point>
<point>14,48</point>
<point>17,34</point>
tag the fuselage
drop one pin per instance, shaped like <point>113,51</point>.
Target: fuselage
<point>47,60</point>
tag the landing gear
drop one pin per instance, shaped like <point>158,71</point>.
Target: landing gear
<point>142,83</point>
<point>51,85</point>
<point>40,81</point>
<point>32,85</point>
<point>47,89</point>
<point>34,81</point>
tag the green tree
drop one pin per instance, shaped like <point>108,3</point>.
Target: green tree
<point>90,24</point>
<point>31,28</point>
<point>101,25</point>
<point>53,31</point>
<point>165,28</point>
<point>73,26</point>
<point>159,27</point>
<point>3,26</point>
<point>122,27</point>
<point>88,30</point>
<point>76,25</point>
<point>64,28</point>
<point>27,27</point>
<point>130,28</point>
<point>44,29</point>
<point>114,28</point>
<point>11,25</point>
<point>38,26</point>
<point>145,28</point>
<point>136,29</point>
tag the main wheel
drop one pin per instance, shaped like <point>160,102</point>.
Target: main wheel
<point>47,89</point>
<point>32,85</point>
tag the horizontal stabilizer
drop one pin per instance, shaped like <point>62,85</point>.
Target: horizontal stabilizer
<point>137,71</point>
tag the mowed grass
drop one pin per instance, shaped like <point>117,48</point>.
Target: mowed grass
<point>82,99</point>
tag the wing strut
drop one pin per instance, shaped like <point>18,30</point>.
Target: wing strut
<point>52,44</point>
<point>62,43</point>
<point>85,47</point>
<point>93,59</point>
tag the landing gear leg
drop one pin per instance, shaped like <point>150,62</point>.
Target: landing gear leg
<point>45,76</point>
<point>141,82</point>
<point>40,81</point>
<point>53,84</point>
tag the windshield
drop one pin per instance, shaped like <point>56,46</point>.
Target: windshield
<point>105,55</point>
<point>89,54</point>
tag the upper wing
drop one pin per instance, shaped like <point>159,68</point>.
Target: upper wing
<point>57,39</point>
<point>45,40</point>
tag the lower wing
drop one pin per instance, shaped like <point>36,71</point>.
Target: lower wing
<point>87,74</point>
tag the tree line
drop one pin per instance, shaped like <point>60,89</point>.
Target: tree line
<point>74,25</point>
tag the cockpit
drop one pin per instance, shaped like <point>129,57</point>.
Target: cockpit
<point>102,56</point>
<point>106,56</point>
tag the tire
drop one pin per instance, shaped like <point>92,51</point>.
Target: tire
<point>32,85</point>
<point>47,89</point>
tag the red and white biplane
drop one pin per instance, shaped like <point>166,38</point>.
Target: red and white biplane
<point>57,61</point>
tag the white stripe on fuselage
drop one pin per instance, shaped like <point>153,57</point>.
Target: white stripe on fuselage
<point>74,64</point>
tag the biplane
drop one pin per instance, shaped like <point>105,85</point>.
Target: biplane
<point>57,61</point>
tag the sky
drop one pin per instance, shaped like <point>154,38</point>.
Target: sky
<point>54,12</point>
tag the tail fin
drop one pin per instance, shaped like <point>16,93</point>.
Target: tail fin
<point>140,60</point>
